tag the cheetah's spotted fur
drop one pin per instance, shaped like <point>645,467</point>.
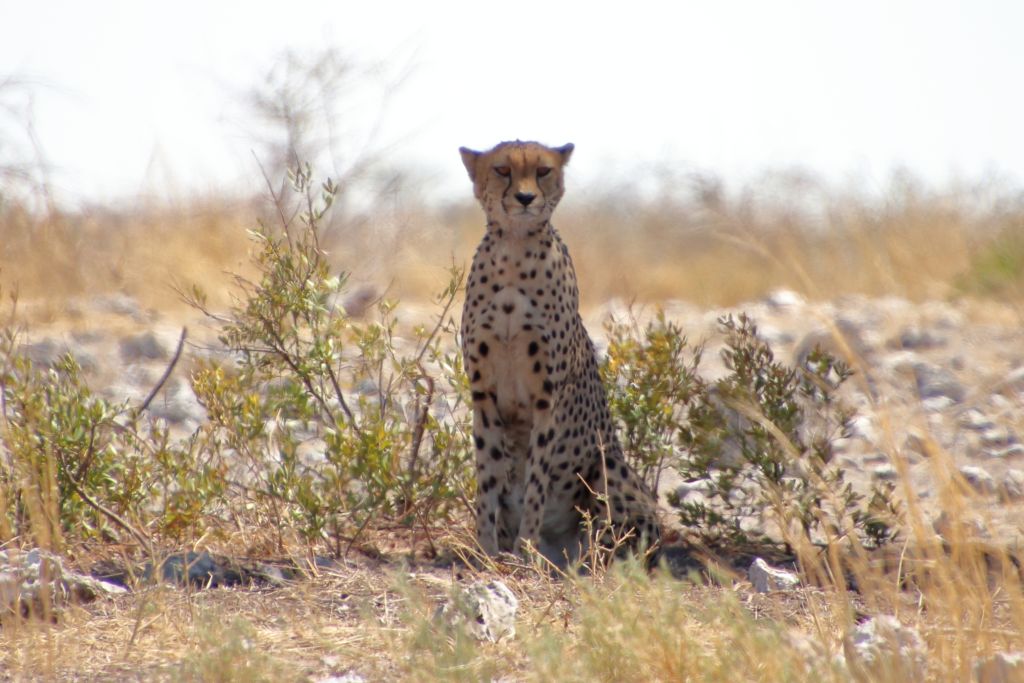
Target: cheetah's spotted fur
<point>546,447</point>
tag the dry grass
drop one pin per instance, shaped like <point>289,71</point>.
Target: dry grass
<point>619,628</point>
<point>378,618</point>
<point>709,250</point>
<point>55,260</point>
<point>720,252</point>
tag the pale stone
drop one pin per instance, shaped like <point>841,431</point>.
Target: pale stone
<point>767,579</point>
<point>486,608</point>
<point>882,648</point>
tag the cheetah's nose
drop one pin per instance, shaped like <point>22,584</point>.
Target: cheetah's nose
<point>525,198</point>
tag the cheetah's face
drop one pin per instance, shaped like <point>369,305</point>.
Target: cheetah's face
<point>518,183</point>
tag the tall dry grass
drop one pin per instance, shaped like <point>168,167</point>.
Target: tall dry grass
<point>59,258</point>
<point>711,248</point>
<point>960,592</point>
<point>718,248</point>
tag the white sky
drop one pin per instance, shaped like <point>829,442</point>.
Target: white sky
<point>848,89</point>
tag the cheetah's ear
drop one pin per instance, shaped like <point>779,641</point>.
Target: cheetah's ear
<point>566,152</point>
<point>469,158</point>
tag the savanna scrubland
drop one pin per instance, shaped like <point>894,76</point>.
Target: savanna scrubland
<point>309,431</point>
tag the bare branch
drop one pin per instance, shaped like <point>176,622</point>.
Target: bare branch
<point>167,373</point>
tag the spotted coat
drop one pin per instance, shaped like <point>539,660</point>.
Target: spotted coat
<point>546,447</point>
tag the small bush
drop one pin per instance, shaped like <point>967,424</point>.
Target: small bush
<point>333,423</point>
<point>79,467</point>
<point>59,439</point>
<point>759,441</point>
<point>652,380</point>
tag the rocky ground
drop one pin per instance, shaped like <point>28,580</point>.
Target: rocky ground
<point>939,389</point>
<point>933,379</point>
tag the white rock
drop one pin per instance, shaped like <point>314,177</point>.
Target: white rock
<point>349,677</point>
<point>885,472</point>
<point>841,339</point>
<point>934,382</point>
<point>863,426</point>
<point>121,304</point>
<point>979,479</point>
<point>43,353</point>
<point>915,337</point>
<point>998,436</point>
<point>1011,486</point>
<point>1011,452</point>
<point>145,346</point>
<point>976,420</point>
<point>1002,667</point>
<point>767,578</point>
<point>775,336</point>
<point>1013,380</point>
<point>784,298</point>
<point>486,608</point>
<point>941,315</point>
<point>177,403</point>
<point>882,648</point>
<point>694,490</point>
<point>937,404</point>
<point>30,581</point>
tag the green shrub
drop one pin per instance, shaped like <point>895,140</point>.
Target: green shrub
<point>652,381</point>
<point>57,436</point>
<point>759,440</point>
<point>393,440</point>
<point>75,466</point>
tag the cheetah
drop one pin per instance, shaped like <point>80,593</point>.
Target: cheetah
<point>546,447</point>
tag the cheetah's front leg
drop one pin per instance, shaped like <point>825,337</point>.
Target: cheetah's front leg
<point>487,438</point>
<point>538,471</point>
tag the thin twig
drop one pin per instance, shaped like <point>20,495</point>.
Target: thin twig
<point>90,452</point>
<point>359,532</point>
<point>167,372</point>
<point>273,195</point>
<point>449,302</point>
<point>281,349</point>
<point>110,514</point>
<point>341,397</point>
<point>421,421</point>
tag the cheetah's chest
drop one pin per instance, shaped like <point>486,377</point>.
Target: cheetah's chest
<point>511,336</point>
<point>513,317</point>
<point>510,319</point>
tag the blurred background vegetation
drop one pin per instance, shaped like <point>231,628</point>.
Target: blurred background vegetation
<point>684,234</point>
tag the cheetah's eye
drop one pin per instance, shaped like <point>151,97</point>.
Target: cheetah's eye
<point>543,171</point>
<point>503,171</point>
